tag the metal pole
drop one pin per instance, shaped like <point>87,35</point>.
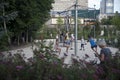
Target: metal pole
<point>67,22</point>
<point>76,17</point>
<point>94,20</point>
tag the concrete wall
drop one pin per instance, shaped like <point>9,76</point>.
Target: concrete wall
<point>61,5</point>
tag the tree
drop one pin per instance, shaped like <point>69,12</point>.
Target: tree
<point>116,20</point>
<point>6,17</point>
<point>30,16</point>
<point>59,23</point>
<point>105,21</point>
<point>97,28</point>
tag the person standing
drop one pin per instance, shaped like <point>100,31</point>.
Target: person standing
<point>57,36</point>
<point>67,42</point>
<point>51,35</point>
<point>71,40</point>
<point>82,43</point>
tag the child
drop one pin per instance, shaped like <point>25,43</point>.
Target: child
<point>57,48</point>
<point>82,43</point>
<point>72,40</point>
<point>93,44</point>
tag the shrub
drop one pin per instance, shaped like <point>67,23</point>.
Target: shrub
<point>3,43</point>
<point>45,65</point>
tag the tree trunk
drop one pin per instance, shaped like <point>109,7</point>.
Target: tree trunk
<point>23,39</point>
<point>18,40</point>
<point>108,32</point>
<point>31,39</point>
<point>27,37</point>
<point>5,28</point>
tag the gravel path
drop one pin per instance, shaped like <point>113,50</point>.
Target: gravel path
<point>81,54</point>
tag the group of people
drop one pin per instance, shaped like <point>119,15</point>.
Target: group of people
<point>67,42</point>
<point>104,55</point>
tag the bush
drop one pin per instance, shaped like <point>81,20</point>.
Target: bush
<point>46,66</point>
<point>3,43</point>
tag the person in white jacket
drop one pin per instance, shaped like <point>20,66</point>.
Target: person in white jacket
<point>71,40</point>
<point>82,43</point>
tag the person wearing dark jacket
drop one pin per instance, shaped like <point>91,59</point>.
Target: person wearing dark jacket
<point>104,57</point>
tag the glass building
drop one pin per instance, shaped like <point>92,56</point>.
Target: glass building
<point>107,6</point>
<point>87,13</point>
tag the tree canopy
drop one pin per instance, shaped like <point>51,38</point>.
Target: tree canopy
<point>107,21</point>
<point>22,18</point>
<point>116,20</point>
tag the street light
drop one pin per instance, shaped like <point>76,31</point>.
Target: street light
<point>76,24</point>
<point>76,16</point>
<point>94,20</point>
<point>67,22</point>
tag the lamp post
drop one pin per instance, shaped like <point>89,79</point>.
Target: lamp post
<point>94,20</point>
<point>76,17</point>
<point>67,22</point>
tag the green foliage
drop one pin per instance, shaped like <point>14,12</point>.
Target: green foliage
<point>59,21</point>
<point>45,32</point>
<point>59,24</point>
<point>105,21</point>
<point>24,17</point>
<point>118,45</point>
<point>45,65</point>
<point>116,20</point>
<point>3,42</point>
<point>84,32</point>
<point>97,28</point>
<point>105,32</point>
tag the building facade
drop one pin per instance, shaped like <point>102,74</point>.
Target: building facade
<point>61,5</point>
<point>107,6</point>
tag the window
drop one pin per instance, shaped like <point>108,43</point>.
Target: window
<point>65,0</point>
<point>109,11</point>
<point>109,4</point>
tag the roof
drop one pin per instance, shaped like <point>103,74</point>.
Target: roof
<point>87,13</point>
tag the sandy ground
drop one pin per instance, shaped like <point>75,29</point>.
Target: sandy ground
<point>28,51</point>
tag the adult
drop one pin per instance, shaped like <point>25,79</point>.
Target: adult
<point>104,56</point>
<point>61,37</point>
<point>105,53</point>
<point>67,42</point>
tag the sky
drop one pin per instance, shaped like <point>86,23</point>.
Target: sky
<point>117,5</point>
<point>91,3</point>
